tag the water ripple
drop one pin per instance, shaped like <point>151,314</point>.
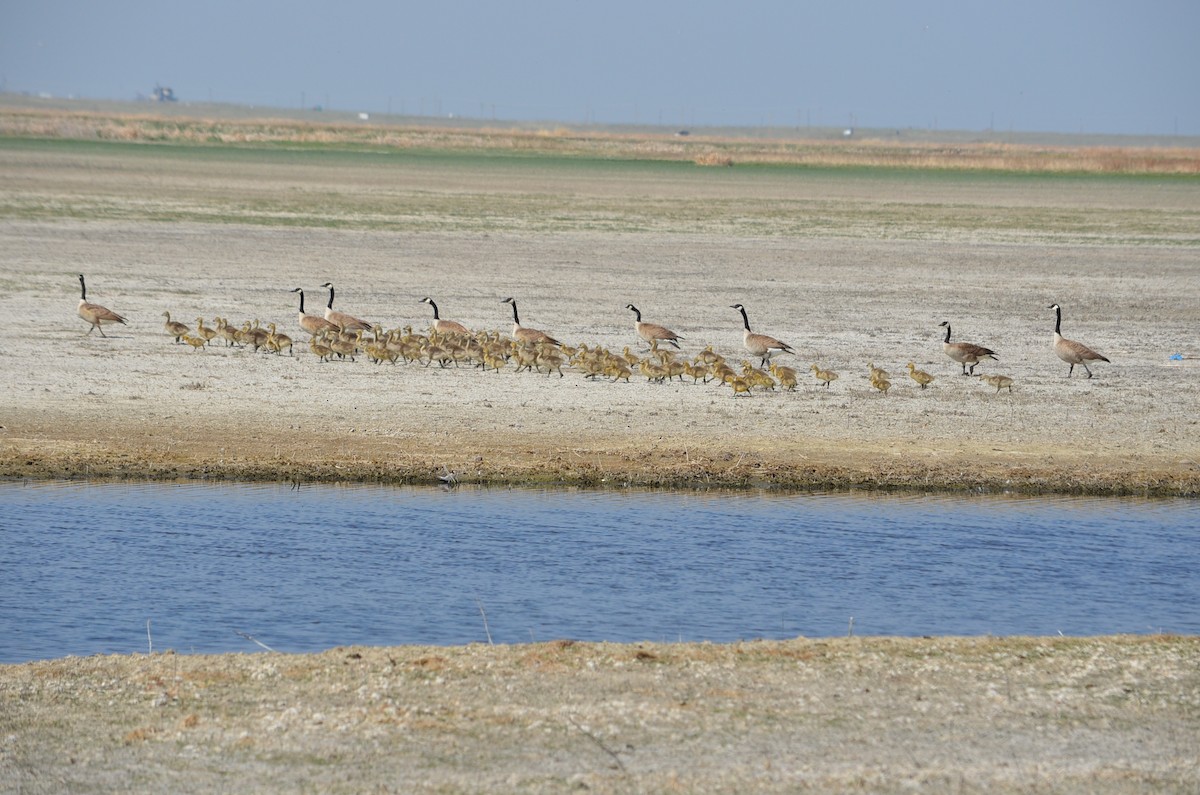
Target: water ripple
<point>84,566</point>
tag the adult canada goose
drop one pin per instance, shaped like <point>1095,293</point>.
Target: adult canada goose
<point>652,333</point>
<point>964,352</point>
<point>444,326</point>
<point>522,334</point>
<point>174,328</point>
<point>95,314</point>
<point>341,319</point>
<point>760,344</point>
<point>1070,351</point>
<point>311,323</point>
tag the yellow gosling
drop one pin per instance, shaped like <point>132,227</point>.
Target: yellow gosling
<point>322,350</point>
<point>741,386</point>
<point>920,376</point>
<point>204,332</point>
<point>277,341</point>
<point>999,381</point>
<point>825,376</point>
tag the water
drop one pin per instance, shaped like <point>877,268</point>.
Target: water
<point>84,566</point>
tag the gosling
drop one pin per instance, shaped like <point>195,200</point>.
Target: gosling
<point>825,376</point>
<point>920,376</point>
<point>998,381</point>
<point>174,328</point>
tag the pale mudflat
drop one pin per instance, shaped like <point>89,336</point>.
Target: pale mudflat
<point>847,270</point>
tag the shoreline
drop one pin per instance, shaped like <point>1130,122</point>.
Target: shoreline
<point>540,465</point>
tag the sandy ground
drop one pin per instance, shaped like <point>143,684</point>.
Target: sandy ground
<point>846,269</point>
<point>138,405</point>
<point>1118,714</point>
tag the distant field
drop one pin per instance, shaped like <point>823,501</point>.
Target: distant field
<point>486,190</point>
<point>21,118</point>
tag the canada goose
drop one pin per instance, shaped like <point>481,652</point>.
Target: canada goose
<point>204,332</point>
<point>618,370</point>
<point>697,371</point>
<point>653,372</point>
<point>760,344</point>
<point>722,373</point>
<point>786,376</point>
<point>552,359</point>
<point>444,326</point>
<point>341,319</point>
<point>998,381</point>
<point>94,313</point>
<point>255,336</point>
<point>174,328</point>
<point>825,376</point>
<point>1070,351</point>
<point>882,384</point>
<point>522,334</point>
<point>277,341</point>
<point>741,385</point>
<point>877,373</point>
<point>344,348</point>
<point>709,356</point>
<point>920,376</point>
<point>196,342</point>
<point>652,333</point>
<point>320,348</point>
<point>228,332</point>
<point>964,352</point>
<point>311,323</point>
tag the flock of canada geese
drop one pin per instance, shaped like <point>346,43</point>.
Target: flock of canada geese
<point>338,334</point>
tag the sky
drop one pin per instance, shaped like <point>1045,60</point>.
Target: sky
<point>1102,66</point>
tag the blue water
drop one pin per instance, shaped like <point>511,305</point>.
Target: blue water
<point>84,566</point>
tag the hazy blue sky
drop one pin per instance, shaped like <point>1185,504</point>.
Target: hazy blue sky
<point>1107,66</point>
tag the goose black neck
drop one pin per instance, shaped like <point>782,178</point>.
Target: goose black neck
<point>82,288</point>
<point>435,312</point>
<point>947,332</point>
<point>745,319</point>
<point>1058,320</point>
<point>637,312</point>
<point>330,304</point>
<point>301,301</point>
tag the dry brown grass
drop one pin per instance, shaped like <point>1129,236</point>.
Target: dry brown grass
<point>714,159</point>
<point>54,123</point>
